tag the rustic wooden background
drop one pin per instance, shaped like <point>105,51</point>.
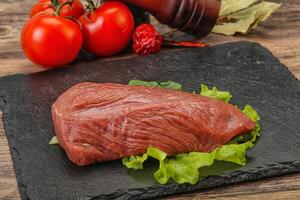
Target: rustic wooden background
<point>280,34</point>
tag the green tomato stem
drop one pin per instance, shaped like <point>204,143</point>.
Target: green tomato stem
<point>91,6</point>
<point>59,7</point>
<point>54,3</point>
<point>99,2</point>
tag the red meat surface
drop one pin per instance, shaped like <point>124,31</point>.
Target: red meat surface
<point>100,122</point>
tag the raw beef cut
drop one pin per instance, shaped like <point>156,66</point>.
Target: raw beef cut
<point>100,122</point>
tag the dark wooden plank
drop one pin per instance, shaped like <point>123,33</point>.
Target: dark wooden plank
<point>285,187</point>
<point>8,183</point>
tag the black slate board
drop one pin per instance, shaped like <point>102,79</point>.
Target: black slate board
<point>248,70</point>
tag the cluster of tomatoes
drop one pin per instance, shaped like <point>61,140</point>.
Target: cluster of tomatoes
<point>58,29</point>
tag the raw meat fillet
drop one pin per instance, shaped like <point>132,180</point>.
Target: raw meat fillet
<point>100,122</point>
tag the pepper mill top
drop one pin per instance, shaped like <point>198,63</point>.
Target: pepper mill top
<point>196,17</point>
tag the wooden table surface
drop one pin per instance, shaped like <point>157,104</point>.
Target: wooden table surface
<point>280,34</point>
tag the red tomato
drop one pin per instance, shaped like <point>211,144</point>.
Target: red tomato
<point>108,29</point>
<point>51,41</point>
<point>76,10</point>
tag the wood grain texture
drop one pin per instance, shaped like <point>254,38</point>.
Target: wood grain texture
<point>8,183</point>
<point>280,34</point>
<point>285,187</point>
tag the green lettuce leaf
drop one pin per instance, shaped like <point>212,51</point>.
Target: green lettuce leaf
<point>170,85</point>
<point>186,168</point>
<point>143,83</point>
<point>135,162</point>
<point>215,93</point>
<point>166,85</point>
<point>253,115</point>
<point>53,141</point>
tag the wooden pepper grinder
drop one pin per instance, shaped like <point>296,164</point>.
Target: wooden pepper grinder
<point>196,17</point>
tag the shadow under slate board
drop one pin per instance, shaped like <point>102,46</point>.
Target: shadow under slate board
<point>247,70</point>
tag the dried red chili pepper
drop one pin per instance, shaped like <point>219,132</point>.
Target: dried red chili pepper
<point>195,44</point>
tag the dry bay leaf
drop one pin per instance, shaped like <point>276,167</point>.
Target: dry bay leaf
<point>232,6</point>
<point>246,19</point>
